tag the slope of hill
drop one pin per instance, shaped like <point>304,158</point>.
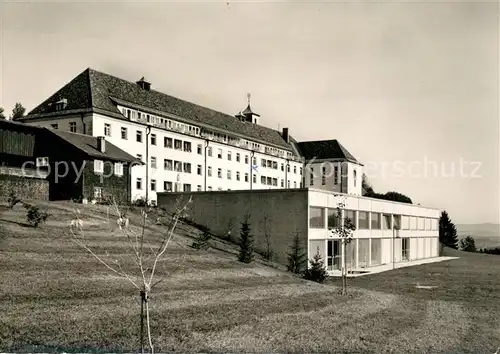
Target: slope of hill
<point>56,297</point>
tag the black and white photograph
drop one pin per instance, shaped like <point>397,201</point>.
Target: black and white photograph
<point>262,176</point>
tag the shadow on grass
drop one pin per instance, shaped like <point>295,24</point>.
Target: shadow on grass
<point>22,224</point>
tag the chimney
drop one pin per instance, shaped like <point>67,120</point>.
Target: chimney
<point>101,144</point>
<point>285,135</point>
<point>144,84</point>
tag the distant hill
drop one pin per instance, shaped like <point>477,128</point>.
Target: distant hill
<point>485,235</point>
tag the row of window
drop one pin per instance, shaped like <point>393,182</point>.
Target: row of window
<point>99,167</point>
<point>336,180</point>
<point>365,220</point>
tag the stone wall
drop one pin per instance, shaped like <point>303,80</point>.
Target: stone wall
<point>24,187</point>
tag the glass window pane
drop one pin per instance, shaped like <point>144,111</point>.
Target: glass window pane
<point>351,216</point>
<point>375,222</point>
<point>406,222</point>
<point>333,219</point>
<point>376,251</point>
<point>363,222</point>
<point>387,222</point>
<point>317,217</point>
<point>363,252</point>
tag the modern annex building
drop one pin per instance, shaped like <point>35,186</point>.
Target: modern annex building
<point>187,147</point>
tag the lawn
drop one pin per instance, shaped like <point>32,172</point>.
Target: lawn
<point>56,297</point>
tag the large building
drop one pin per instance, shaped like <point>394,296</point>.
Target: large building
<point>187,147</point>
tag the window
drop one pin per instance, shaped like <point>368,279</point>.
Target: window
<point>97,192</point>
<point>363,222</point>
<point>187,167</point>
<point>198,169</point>
<point>167,165</point>
<point>405,222</point>
<point>428,224</point>
<point>421,223</point>
<point>187,188</point>
<point>350,216</point>
<point>336,175</point>
<point>138,183</point>
<point>254,178</point>
<point>405,249</point>
<point>72,127</point>
<point>177,144</point>
<point>288,184</point>
<point>139,157</point>
<point>138,136</point>
<point>275,182</point>
<point>124,133</point>
<point>269,181</point>
<point>237,175</point>
<point>301,171</point>
<point>228,174</point>
<point>42,161</point>
<point>229,155</point>
<point>375,222</point>
<point>269,164</point>
<point>288,168</point>
<point>219,153</point>
<point>187,146</point>
<point>316,218</point>
<point>177,166</point>
<point>282,167</point>
<point>282,183</point>
<point>295,169</point>
<point>386,222</point>
<point>246,159</point>
<point>311,177</point>
<point>262,179</point>
<point>167,142</point>
<point>323,176</point>
<point>210,151</point>
<point>198,188</point>
<point>118,169</point>
<point>98,166</point>
<point>209,172</point>
<point>153,185</point>
<point>413,223</point>
<point>275,165</point>
<point>209,188</point>
<point>153,139</point>
<point>333,219</point>
<point>246,177</point>
<point>237,157</point>
<point>294,184</point>
<point>153,162</point>
<point>397,222</point>
<point>55,126</point>
<point>198,149</point>
<point>219,172</point>
<point>167,186</point>
<point>254,161</point>
<point>107,129</point>
<point>263,162</point>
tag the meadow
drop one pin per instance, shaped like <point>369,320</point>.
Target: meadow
<point>55,297</point>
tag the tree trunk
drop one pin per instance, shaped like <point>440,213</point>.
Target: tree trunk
<point>344,273</point>
<point>143,300</point>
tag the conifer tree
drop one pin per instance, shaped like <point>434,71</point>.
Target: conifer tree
<point>297,259</point>
<point>316,271</point>
<point>447,231</point>
<point>246,242</point>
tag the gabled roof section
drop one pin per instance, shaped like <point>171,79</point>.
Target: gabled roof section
<point>88,145</point>
<point>325,149</point>
<point>91,91</point>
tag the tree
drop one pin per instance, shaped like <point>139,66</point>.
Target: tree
<point>246,242</point>
<point>344,230</point>
<point>297,258</point>
<point>447,231</point>
<point>18,111</point>
<point>316,272</point>
<point>2,116</point>
<point>468,244</point>
<point>146,251</point>
<point>397,197</point>
<point>202,241</point>
<point>268,253</point>
<point>366,187</point>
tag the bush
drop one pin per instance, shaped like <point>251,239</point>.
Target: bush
<point>317,271</point>
<point>34,216</point>
<point>140,202</point>
<point>12,199</point>
<point>202,241</point>
<point>468,244</point>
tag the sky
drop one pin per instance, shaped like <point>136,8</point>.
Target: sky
<point>411,89</point>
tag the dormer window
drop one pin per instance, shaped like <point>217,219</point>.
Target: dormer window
<point>61,104</point>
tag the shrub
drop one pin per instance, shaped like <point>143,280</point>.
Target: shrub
<point>34,216</point>
<point>202,241</point>
<point>468,244</point>
<point>246,243</point>
<point>12,199</point>
<point>140,202</point>
<point>317,271</point>
<point>296,257</point>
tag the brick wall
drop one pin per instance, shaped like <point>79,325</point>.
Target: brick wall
<point>25,188</point>
<point>285,209</point>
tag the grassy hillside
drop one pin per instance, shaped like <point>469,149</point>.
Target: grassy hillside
<point>55,297</point>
